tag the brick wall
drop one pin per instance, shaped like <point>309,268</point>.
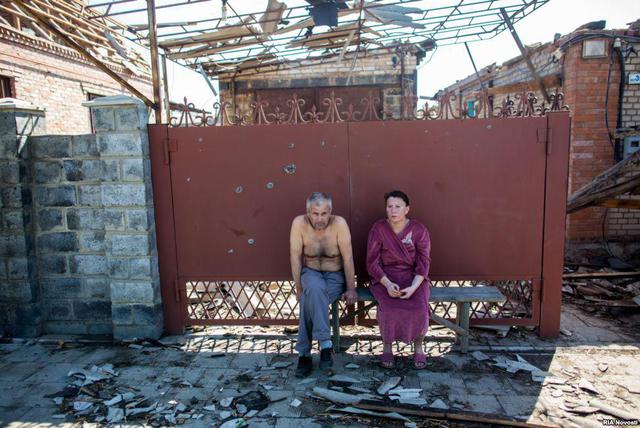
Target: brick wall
<point>584,84</point>
<point>57,79</point>
<point>375,69</point>
<point>624,224</point>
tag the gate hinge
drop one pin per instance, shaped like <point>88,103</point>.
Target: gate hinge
<point>170,145</point>
<point>544,136</point>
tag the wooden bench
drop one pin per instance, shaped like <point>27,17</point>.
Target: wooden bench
<point>461,296</point>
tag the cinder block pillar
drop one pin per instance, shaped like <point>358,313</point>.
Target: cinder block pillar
<point>20,310</point>
<point>120,124</point>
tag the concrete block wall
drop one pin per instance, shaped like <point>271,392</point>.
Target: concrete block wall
<point>70,235</point>
<point>20,298</point>
<point>92,227</point>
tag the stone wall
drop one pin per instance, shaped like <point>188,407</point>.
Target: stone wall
<point>91,229</point>
<point>20,297</point>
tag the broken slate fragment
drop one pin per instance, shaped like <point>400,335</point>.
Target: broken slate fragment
<point>115,414</point>
<point>480,356</point>
<point>342,378</point>
<point>295,403</point>
<point>226,402</point>
<point>388,384</point>
<point>587,386</point>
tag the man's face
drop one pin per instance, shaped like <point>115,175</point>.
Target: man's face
<point>319,215</point>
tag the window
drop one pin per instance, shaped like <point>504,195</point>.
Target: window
<point>5,87</point>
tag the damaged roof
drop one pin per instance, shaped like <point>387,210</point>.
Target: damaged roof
<point>228,36</point>
<point>103,38</point>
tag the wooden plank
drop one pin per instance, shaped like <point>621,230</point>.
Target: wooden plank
<point>450,414</point>
<point>448,324</point>
<point>155,73</point>
<point>620,178</point>
<point>224,34</point>
<point>450,294</point>
<point>605,275</point>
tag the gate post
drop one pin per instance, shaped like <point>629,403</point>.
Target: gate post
<point>120,124</point>
<point>557,170</point>
<point>20,300</point>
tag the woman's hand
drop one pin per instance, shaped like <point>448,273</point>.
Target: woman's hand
<point>407,292</point>
<point>393,289</point>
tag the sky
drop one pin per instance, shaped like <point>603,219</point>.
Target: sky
<point>446,65</point>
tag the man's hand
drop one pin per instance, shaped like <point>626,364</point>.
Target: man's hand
<point>407,292</point>
<point>350,296</point>
<point>298,293</point>
<point>393,289</point>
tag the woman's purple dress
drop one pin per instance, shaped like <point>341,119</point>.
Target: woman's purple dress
<point>400,257</point>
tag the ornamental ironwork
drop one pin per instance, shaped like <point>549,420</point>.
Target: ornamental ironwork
<point>447,106</point>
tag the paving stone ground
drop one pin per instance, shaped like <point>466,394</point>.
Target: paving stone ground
<point>207,365</point>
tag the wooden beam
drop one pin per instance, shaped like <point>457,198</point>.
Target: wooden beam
<point>448,414</point>
<point>155,73</point>
<point>601,275</point>
<point>28,9</point>
<point>165,86</point>
<point>620,178</point>
<point>84,52</point>
<point>224,34</point>
<point>620,203</point>
<point>77,25</point>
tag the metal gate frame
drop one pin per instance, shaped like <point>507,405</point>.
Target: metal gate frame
<point>545,285</point>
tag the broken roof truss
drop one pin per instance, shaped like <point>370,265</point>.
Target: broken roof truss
<point>223,38</point>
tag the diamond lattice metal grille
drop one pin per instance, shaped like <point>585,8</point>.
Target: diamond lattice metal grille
<point>275,302</point>
<point>518,304</point>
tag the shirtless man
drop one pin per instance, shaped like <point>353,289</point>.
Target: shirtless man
<point>321,261</point>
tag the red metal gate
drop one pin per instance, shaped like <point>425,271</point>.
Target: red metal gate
<point>491,191</point>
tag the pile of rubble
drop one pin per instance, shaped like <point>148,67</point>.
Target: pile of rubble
<point>604,290</point>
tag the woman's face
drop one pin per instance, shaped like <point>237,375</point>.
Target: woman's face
<point>397,210</point>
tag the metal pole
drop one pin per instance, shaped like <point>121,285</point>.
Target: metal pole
<point>165,84</point>
<point>525,55</point>
<point>206,79</point>
<point>155,75</point>
<point>474,67</point>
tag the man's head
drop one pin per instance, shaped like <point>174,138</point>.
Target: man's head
<point>319,210</point>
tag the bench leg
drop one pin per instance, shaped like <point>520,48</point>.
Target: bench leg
<point>335,321</point>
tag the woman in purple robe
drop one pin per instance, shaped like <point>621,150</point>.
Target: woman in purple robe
<point>398,264</point>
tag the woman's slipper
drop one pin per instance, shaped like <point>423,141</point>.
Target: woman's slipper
<point>419,361</point>
<point>386,360</point>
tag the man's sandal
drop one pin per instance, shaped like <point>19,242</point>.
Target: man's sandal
<point>419,361</point>
<point>386,360</point>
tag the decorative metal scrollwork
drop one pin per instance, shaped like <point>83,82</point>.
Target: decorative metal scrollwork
<point>448,106</point>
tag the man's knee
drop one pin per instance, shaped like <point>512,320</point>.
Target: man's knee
<point>313,286</point>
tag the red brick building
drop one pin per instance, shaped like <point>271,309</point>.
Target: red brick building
<point>38,67</point>
<point>587,67</point>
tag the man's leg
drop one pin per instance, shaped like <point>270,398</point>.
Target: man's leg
<point>335,286</point>
<point>311,280</point>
